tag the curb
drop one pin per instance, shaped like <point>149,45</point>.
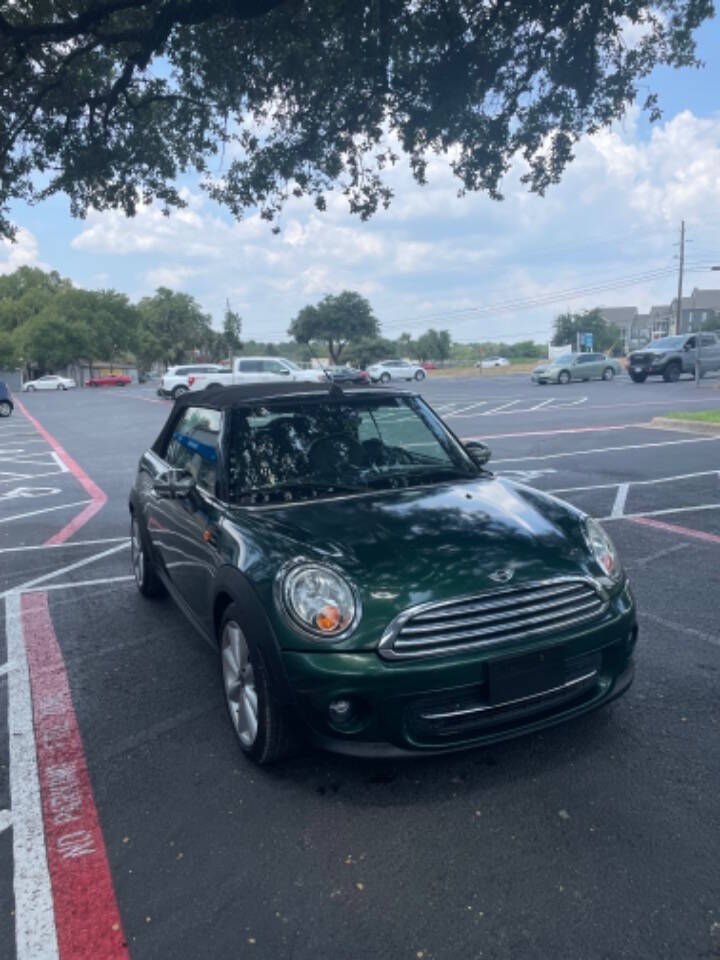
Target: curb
<point>687,426</point>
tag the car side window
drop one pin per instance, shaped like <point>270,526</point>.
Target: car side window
<point>250,366</point>
<point>273,366</point>
<point>707,340</point>
<point>391,427</point>
<point>586,358</point>
<point>195,444</point>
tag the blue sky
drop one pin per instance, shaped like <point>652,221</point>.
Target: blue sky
<point>482,269</point>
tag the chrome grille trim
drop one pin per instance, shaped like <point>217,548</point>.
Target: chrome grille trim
<point>518,612</point>
<point>483,708</point>
<point>455,607</point>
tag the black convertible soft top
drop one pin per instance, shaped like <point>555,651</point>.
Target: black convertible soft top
<point>225,398</point>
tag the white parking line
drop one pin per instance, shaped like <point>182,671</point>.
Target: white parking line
<point>68,569</point>
<point>36,513</point>
<point>35,936</point>
<point>585,453</point>
<point>620,498</point>
<point>4,668</point>
<point>638,483</point>
<point>5,820</point>
<point>681,628</point>
<point>63,546</point>
<point>103,581</point>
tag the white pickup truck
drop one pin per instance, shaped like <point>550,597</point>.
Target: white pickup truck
<point>255,370</point>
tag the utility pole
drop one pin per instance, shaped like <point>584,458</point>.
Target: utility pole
<point>678,312</point>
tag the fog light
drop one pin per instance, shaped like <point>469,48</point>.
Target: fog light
<point>340,709</point>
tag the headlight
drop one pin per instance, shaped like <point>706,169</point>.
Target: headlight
<point>319,600</point>
<point>602,548</point>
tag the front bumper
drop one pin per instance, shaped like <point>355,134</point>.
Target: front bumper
<point>443,704</point>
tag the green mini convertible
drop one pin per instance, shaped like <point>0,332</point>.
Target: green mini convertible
<point>372,588</point>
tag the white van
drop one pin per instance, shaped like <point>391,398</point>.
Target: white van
<point>256,370</point>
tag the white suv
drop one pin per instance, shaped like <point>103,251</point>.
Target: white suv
<point>175,382</point>
<point>388,370</point>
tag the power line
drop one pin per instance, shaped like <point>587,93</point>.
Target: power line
<point>545,299</point>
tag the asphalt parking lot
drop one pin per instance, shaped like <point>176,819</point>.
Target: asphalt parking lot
<point>128,816</point>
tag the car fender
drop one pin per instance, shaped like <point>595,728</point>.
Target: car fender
<point>231,582</point>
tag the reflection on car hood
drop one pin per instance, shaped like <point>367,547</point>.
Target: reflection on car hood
<point>422,544</point>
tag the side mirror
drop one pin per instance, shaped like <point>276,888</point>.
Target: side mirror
<point>174,485</point>
<point>285,372</point>
<point>479,453</point>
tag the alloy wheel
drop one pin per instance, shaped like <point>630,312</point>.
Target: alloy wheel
<point>239,680</point>
<point>5,409</point>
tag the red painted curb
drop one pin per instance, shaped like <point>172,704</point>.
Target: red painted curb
<point>87,919</point>
<point>99,498</point>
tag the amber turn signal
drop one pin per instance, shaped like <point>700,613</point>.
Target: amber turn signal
<point>328,618</point>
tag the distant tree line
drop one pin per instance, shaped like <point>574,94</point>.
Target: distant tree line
<point>46,324</point>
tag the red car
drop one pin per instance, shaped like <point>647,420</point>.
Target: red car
<point>428,365</point>
<point>109,380</point>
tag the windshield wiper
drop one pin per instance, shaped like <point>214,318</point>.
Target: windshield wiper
<point>413,471</point>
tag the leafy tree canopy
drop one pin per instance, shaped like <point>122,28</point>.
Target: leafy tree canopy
<point>434,345</point>
<point>109,102</point>
<point>177,325</point>
<point>606,336</point>
<point>336,321</point>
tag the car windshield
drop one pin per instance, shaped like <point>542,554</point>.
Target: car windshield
<point>302,449</point>
<point>293,366</point>
<point>667,343</point>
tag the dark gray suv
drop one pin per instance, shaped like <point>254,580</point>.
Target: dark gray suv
<point>672,356</point>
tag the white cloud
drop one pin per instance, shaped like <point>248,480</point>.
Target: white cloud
<point>22,253</point>
<point>432,254</point>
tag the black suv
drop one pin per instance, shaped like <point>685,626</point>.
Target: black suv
<point>669,357</point>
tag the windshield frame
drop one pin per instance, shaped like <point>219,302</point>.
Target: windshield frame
<point>459,467</point>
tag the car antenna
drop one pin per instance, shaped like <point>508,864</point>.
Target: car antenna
<point>320,364</point>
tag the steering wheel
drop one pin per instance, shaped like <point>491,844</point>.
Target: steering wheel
<point>357,455</point>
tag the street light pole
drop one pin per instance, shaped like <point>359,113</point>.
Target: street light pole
<point>698,348</point>
<point>678,311</point>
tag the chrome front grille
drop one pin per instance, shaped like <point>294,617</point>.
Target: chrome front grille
<point>488,619</point>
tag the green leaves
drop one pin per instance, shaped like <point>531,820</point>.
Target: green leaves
<point>336,321</point>
<point>111,102</point>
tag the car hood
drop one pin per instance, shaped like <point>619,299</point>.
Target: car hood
<point>405,547</point>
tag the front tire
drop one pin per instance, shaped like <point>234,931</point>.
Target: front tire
<point>30,389</point>
<point>384,378</point>
<point>563,377</point>
<point>608,373</point>
<point>179,392</point>
<point>143,566</point>
<point>419,374</point>
<point>671,373</point>
<point>259,721</point>
<point>5,408</point>
<point>638,377</point>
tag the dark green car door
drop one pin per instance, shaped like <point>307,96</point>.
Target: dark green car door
<point>190,524</point>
